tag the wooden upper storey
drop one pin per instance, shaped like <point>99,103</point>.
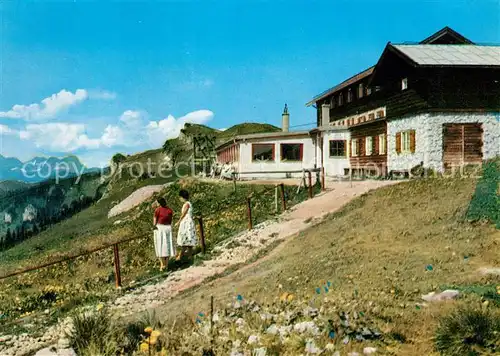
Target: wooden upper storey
<point>444,72</point>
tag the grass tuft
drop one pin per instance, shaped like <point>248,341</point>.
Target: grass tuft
<point>468,331</point>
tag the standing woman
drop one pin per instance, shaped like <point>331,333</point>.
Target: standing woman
<point>164,246</point>
<point>186,235</point>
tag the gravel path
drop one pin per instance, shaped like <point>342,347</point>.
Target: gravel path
<point>135,199</point>
<point>239,249</point>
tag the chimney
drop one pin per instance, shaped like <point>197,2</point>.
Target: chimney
<point>285,119</point>
<point>325,114</point>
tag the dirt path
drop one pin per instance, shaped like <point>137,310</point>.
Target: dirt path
<point>243,247</point>
<point>233,253</point>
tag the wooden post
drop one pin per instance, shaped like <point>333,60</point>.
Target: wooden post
<point>234,181</point>
<point>118,277</point>
<point>276,206</point>
<point>309,177</point>
<point>323,187</point>
<point>202,235</point>
<point>249,213</point>
<point>283,200</point>
<point>211,319</point>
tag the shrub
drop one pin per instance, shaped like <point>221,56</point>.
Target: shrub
<point>93,334</point>
<point>468,331</point>
<point>485,204</point>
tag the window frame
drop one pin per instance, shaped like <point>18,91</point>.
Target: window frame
<point>382,144</point>
<point>301,152</point>
<point>354,147</point>
<point>405,139</point>
<point>368,145</point>
<point>361,90</point>
<point>264,144</point>
<point>350,96</point>
<point>330,149</point>
<point>404,84</point>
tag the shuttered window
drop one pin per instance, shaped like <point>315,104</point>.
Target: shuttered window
<point>382,144</point>
<point>354,147</point>
<point>368,145</point>
<point>405,141</point>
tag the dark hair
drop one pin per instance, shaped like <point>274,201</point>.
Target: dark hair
<point>184,194</point>
<point>162,202</point>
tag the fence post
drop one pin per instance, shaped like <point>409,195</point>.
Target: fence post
<point>118,277</point>
<point>309,177</point>
<point>323,186</point>
<point>234,181</point>
<point>202,235</point>
<point>276,198</point>
<point>283,200</point>
<point>249,212</point>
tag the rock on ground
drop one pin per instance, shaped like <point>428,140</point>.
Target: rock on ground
<point>135,199</point>
<point>446,295</point>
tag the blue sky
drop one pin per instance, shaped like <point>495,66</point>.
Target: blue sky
<point>124,76</point>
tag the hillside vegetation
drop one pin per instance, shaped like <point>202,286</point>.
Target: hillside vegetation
<point>377,256</point>
<point>90,278</point>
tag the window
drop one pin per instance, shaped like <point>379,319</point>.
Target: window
<point>337,148</point>
<point>332,102</point>
<point>361,90</point>
<point>368,145</point>
<point>379,114</point>
<point>382,144</point>
<point>341,99</point>
<point>354,147</point>
<point>291,152</point>
<point>368,91</point>
<point>404,84</point>
<point>405,141</point>
<point>263,152</point>
<point>349,95</point>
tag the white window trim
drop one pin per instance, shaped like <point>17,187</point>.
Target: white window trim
<point>354,145</point>
<point>404,83</point>
<point>405,142</point>
<point>382,144</point>
<point>369,145</point>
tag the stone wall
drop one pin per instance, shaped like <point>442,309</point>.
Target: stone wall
<point>429,138</point>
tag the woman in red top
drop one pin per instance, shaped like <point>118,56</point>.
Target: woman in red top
<point>164,246</point>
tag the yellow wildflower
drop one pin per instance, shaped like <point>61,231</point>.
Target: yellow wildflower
<point>144,347</point>
<point>100,306</point>
<point>148,330</point>
<point>156,333</point>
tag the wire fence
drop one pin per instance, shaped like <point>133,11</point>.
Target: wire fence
<point>129,258</point>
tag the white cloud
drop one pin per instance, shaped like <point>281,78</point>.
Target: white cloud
<point>6,130</point>
<point>59,137</point>
<point>113,136</point>
<point>55,104</point>
<point>102,94</point>
<point>131,118</point>
<point>170,127</point>
<point>131,131</point>
<point>49,107</point>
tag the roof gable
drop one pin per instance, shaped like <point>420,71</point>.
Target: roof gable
<point>446,36</point>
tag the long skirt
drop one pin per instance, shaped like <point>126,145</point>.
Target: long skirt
<point>164,246</point>
<point>186,236</point>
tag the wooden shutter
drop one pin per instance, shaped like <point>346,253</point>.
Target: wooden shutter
<point>348,148</point>
<point>412,141</point>
<point>398,142</point>
<point>376,145</point>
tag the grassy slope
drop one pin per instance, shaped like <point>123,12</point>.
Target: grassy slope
<point>91,277</point>
<point>377,248</point>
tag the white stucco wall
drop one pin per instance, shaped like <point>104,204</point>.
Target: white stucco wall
<point>247,165</point>
<point>429,138</point>
<point>334,166</point>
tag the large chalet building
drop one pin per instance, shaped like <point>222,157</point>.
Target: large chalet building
<point>434,103</point>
